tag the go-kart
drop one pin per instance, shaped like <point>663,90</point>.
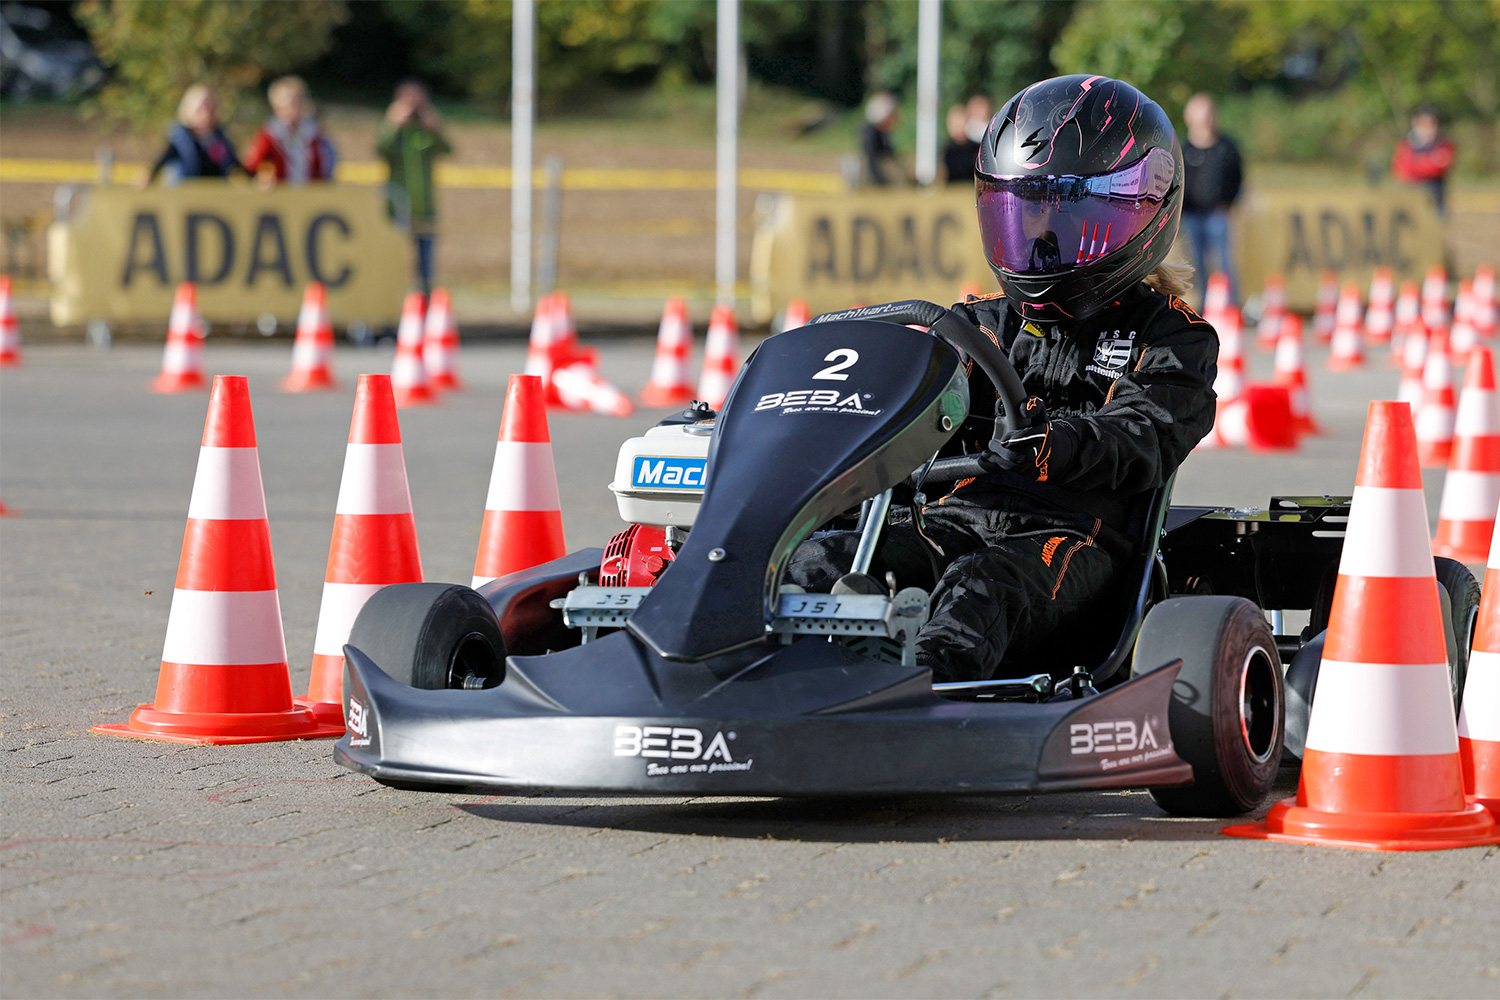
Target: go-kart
<point>677,661</point>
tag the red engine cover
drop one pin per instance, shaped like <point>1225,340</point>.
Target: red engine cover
<point>635,557</point>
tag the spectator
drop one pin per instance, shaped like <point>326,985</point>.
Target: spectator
<point>196,146</point>
<point>881,112</point>
<point>290,148</point>
<point>1212,185</point>
<point>1424,157</point>
<point>966,125</point>
<point>410,139</point>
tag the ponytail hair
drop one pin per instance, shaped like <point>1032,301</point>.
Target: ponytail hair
<point>1173,276</point>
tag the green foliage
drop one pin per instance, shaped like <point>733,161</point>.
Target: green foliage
<point>158,49</point>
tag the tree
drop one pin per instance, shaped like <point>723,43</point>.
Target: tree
<point>157,50</point>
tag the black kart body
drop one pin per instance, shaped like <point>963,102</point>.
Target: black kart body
<point>717,681</point>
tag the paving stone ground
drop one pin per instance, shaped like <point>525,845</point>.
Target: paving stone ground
<point>148,869</point>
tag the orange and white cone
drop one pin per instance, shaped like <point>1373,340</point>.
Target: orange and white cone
<point>798,315</point>
<point>182,359</point>
<point>1479,718</point>
<point>1485,308</point>
<point>409,371</point>
<point>440,343</point>
<point>553,344</point>
<point>523,513</point>
<point>1325,309</point>
<point>580,387</point>
<point>1380,317</point>
<point>1437,415</point>
<point>312,351</point>
<point>1471,490</point>
<point>1408,319</point>
<point>1216,295</point>
<point>1464,336</point>
<point>1291,371</point>
<point>374,540</point>
<point>1348,350</point>
<point>1381,770</point>
<point>1413,362</point>
<point>720,357</point>
<point>224,675</point>
<point>671,381</point>
<point>10,330</point>
<point>1272,309</point>
<point>1435,309</point>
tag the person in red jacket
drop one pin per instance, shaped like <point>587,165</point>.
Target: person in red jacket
<point>290,147</point>
<point>1423,156</point>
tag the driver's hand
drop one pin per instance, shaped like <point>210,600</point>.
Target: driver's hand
<point>1040,450</point>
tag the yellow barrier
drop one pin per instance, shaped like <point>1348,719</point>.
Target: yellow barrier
<point>250,252</point>
<point>461,176</point>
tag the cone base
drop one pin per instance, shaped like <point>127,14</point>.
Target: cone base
<point>1471,826</point>
<point>178,383</point>
<point>330,713</point>
<point>1341,365</point>
<point>655,395</point>
<point>221,728</point>
<point>448,383</point>
<point>315,381</point>
<point>1465,541</point>
<point>1433,455</point>
<point>10,362</point>
<point>414,397</point>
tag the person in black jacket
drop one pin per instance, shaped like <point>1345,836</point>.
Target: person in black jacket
<point>1079,187</point>
<point>881,114</point>
<point>1214,177</point>
<point>196,145</point>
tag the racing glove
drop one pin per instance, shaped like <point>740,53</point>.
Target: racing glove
<point>1042,449</point>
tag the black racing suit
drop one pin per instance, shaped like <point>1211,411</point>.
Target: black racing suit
<point>1022,560</point>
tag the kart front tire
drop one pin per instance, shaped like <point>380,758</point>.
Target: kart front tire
<point>432,636</point>
<point>1462,609</point>
<point>1227,714</point>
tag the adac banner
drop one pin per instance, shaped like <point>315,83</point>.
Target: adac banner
<point>122,252</point>
<point>1302,232</point>
<point>868,247</point>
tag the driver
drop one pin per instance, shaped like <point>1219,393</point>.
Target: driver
<point>1078,185</point>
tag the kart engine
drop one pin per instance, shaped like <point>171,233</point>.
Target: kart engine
<point>635,557</point>
<point>659,480</point>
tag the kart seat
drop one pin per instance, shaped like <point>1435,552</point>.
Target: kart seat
<point>1105,648</point>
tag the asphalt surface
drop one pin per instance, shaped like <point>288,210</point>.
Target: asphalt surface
<point>134,868</point>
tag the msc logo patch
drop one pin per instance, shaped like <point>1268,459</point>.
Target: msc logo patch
<point>1112,354</point>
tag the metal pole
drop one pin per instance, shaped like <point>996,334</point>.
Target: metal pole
<point>727,91</point>
<point>522,125</point>
<point>546,267</point>
<point>929,34</point>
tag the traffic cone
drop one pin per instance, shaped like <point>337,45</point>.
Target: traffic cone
<point>1471,490</point>
<point>581,387</point>
<point>409,372</point>
<point>1463,336</point>
<point>1408,318</point>
<point>1326,307</point>
<point>1380,317</point>
<point>224,676</point>
<point>1348,338</point>
<point>522,515</point>
<point>1435,314</point>
<point>1272,309</point>
<point>671,379</point>
<point>1436,416</point>
<point>1479,718</point>
<point>374,538</point>
<point>1413,361</point>
<point>720,357</point>
<point>182,360</point>
<point>965,291</point>
<point>1381,770</point>
<point>553,344</point>
<point>797,314</point>
<point>1229,384</point>
<point>312,351</point>
<point>1216,295</point>
<point>1291,372</point>
<point>10,330</point>
<point>1485,309</point>
<point>440,343</point>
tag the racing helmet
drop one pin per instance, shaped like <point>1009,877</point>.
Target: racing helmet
<point>1078,186</point>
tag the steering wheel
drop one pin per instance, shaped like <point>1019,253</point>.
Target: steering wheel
<point>954,329</point>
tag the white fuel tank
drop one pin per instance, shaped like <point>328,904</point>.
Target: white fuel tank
<point>659,477</point>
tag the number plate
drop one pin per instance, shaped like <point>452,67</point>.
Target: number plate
<point>594,606</point>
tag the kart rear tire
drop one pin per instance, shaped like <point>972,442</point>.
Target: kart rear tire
<point>432,636</point>
<point>1462,591</point>
<point>1227,715</point>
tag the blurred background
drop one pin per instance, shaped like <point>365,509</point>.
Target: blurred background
<point>1315,94</point>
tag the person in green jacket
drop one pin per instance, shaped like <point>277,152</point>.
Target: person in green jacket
<point>410,139</point>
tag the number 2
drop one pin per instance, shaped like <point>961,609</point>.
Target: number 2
<point>834,373</point>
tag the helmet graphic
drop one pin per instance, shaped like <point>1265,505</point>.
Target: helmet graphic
<point>1079,192</point>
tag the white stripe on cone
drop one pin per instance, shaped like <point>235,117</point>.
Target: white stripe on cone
<point>1435,423</point>
<point>341,604</point>
<point>181,357</point>
<point>374,481</point>
<point>523,477</point>
<point>1378,514</point>
<point>1478,414</point>
<point>224,627</point>
<point>1481,687</point>
<point>227,486</point>
<point>1469,496</point>
<point>1383,708</point>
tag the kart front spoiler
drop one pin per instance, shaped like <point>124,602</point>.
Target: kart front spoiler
<point>809,718</point>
